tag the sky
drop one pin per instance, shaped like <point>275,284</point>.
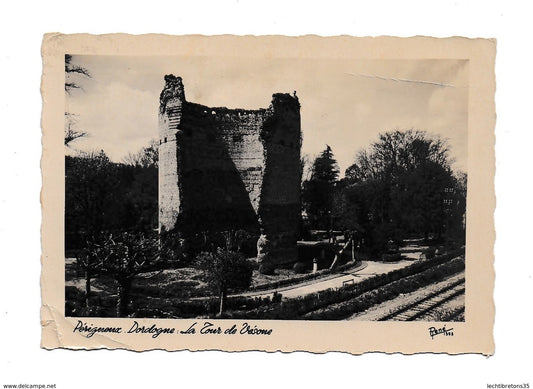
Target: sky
<point>345,103</point>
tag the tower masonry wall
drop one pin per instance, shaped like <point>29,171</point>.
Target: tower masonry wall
<point>224,169</point>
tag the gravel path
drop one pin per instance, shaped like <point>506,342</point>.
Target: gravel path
<point>367,270</point>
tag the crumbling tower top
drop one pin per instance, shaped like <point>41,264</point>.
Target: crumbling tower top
<point>173,90</point>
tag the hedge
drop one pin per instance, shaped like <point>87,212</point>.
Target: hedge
<point>387,292</point>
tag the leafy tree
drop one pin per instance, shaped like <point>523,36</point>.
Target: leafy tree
<point>396,152</point>
<point>142,194</point>
<point>225,269</point>
<point>455,204</point>
<point>325,167</point>
<point>318,191</point>
<point>402,184</point>
<point>90,192</point>
<point>101,195</point>
<point>418,199</point>
<point>347,210</point>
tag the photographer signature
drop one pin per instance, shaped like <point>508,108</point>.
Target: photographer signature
<point>440,331</point>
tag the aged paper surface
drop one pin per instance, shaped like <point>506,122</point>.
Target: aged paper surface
<point>249,66</point>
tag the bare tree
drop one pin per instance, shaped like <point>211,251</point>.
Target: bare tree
<point>71,133</point>
<point>73,69</point>
<point>123,257</point>
<point>146,157</point>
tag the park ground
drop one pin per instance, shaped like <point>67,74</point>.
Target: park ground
<point>175,293</point>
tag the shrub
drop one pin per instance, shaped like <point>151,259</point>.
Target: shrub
<point>266,268</point>
<point>299,267</point>
<point>430,252</point>
<point>391,257</point>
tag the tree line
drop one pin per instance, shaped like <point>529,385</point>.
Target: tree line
<point>101,195</point>
<point>401,186</point>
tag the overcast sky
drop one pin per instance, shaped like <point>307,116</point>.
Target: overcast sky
<point>344,103</point>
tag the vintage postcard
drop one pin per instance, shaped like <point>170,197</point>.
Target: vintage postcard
<point>268,193</point>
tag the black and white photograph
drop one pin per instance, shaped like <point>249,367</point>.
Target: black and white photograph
<point>254,188</point>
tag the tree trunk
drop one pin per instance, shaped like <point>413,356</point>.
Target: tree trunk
<point>124,287</point>
<point>87,287</point>
<point>223,295</point>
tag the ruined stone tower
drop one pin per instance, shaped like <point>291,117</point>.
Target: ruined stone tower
<point>222,169</point>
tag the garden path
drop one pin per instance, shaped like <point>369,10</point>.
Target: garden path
<point>366,270</point>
